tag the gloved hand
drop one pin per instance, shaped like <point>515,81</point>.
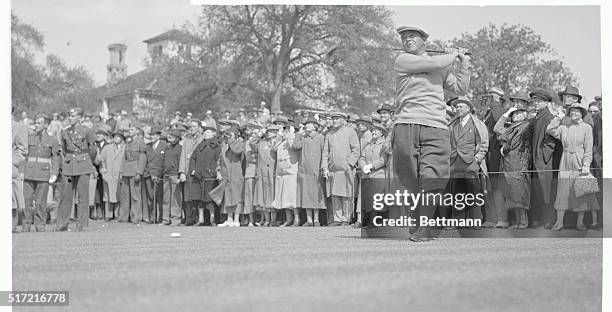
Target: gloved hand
<point>52,179</point>
<point>182,177</point>
<point>366,169</point>
<point>585,171</point>
<point>219,176</point>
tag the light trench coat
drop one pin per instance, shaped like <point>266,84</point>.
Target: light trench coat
<point>111,161</point>
<point>577,140</point>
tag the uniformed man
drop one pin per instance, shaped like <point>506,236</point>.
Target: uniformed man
<point>41,168</point>
<point>78,144</point>
<point>131,173</point>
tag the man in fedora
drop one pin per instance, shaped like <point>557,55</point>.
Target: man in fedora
<point>568,97</point>
<point>208,118</point>
<point>385,112</point>
<point>153,177</point>
<point>543,148</point>
<point>421,127</point>
<point>339,161</point>
<point>469,138</point>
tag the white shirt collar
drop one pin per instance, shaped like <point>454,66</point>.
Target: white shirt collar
<point>465,120</point>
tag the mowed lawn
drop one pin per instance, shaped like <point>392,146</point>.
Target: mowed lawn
<point>122,267</point>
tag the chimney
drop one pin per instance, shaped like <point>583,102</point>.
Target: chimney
<point>116,69</point>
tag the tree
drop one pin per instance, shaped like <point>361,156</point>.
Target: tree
<point>26,76</point>
<point>37,88</point>
<point>66,86</point>
<point>513,58</point>
<point>330,54</point>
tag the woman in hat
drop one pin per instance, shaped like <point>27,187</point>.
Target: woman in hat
<point>232,151</point>
<point>516,159</point>
<point>264,176</point>
<point>570,96</point>
<point>373,162</point>
<point>250,158</point>
<point>285,190</point>
<point>110,160</point>
<point>577,140</point>
<point>310,195</point>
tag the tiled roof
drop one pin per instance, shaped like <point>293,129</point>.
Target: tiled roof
<point>173,34</point>
<point>142,80</point>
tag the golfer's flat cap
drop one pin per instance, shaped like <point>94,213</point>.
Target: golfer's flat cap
<point>420,30</point>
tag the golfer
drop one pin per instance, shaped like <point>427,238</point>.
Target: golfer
<point>421,142</point>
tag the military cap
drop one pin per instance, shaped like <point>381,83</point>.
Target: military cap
<point>570,90</point>
<point>583,110</point>
<point>177,113</point>
<point>385,107</point>
<point>542,94</point>
<point>189,114</point>
<point>420,30</point>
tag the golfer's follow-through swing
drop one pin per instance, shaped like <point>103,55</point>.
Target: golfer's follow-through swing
<point>420,137</point>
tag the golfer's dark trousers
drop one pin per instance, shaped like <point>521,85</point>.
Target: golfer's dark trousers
<point>154,199</point>
<point>70,184</point>
<point>421,158</point>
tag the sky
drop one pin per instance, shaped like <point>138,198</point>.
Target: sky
<point>80,31</point>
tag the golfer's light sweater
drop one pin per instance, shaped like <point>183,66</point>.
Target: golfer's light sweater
<point>420,84</point>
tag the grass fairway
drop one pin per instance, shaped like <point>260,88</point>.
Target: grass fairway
<point>122,267</point>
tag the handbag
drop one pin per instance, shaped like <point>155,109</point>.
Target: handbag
<point>586,185</point>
